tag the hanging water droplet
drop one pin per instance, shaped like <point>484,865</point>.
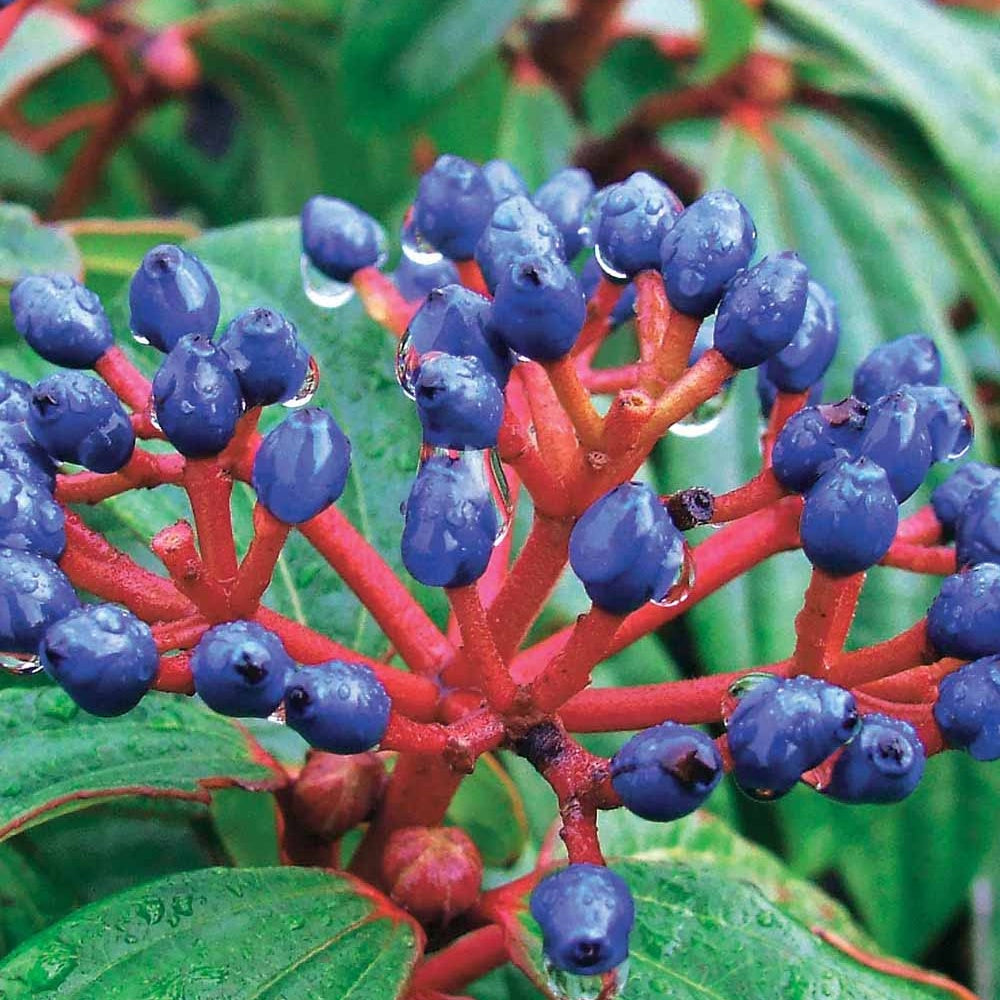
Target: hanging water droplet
<point>568,986</point>
<point>611,272</point>
<point>20,666</point>
<point>140,339</point>
<point>704,418</point>
<point>500,489</point>
<point>322,290</point>
<point>278,716</point>
<point>739,689</point>
<point>414,245</point>
<point>308,388</point>
<point>407,363</point>
<point>153,418</point>
<point>681,587</point>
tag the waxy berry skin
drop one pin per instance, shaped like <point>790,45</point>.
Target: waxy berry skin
<point>564,198</point>
<point>338,238</point>
<point>950,498</point>
<point>451,523</point>
<point>781,728</point>
<point>968,708</point>
<point>302,465</point>
<point>626,550</point>
<point>416,281</point>
<point>103,656</point>
<point>712,240</point>
<point>77,418</point>
<point>761,310</point>
<point>814,439</point>
<point>883,763</point>
<point>586,913</point>
<point>849,518</point>
<point>337,706</point>
<point>197,397</point>
<point>240,668</point>
<point>947,419</point>
<point>504,179</point>
<point>666,772</point>
<point>453,206</point>
<point>459,403</point>
<point>977,532</point>
<point>909,360</point>
<point>34,593</point>
<point>807,357</point>
<point>29,518</point>
<point>895,437</point>
<point>517,229</point>
<point>62,320</point>
<point>265,353</point>
<point>964,620</point>
<point>35,463</point>
<point>539,308</point>
<point>15,398</point>
<point>170,296</point>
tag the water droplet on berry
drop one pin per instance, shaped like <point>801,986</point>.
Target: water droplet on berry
<point>20,666</point>
<point>140,339</point>
<point>308,388</point>
<point>704,418</point>
<point>407,363</point>
<point>414,245</point>
<point>741,687</point>
<point>681,587</point>
<point>278,715</point>
<point>611,272</point>
<point>322,290</point>
<point>568,986</point>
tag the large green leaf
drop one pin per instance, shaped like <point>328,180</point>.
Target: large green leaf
<point>45,37</point>
<point>728,33</point>
<point>223,934</point>
<point>27,246</point>
<point>58,759</point>
<point>537,132</point>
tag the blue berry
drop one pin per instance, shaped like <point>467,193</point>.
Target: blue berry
<point>264,351</point>
<point>504,179</point>
<point>964,620</point>
<point>804,361</point>
<point>451,522</point>
<point>415,281</point>
<point>635,216</point>
<point>849,518</point>
<point>21,453</point>
<point>666,772</point>
<point>453,206</point>
<point>15,398</point>
<point>761,310</point>
<point>62,320</point>
<point>240,668</point>
<point>34,593</point>
<point>884,763</point>
<point>624,308</point>
<point>712,240</point>
<point>912,359</point>
<point>780,729</point>
<point>977,532</point>
<point>29,518</point>
<point>77,418</point>
<point>586,913</point>
<point>517,229</point>
<point>337,706</point>
<point>626,550</point>
<point>949,499</point>
<point>170,296</point>
<point>338,238</point>
<point>301,466</point>
<point>539,308</point>
<point>968,708</point>
<point>459,403</point>
<point>814,438</point>
<point>767,392</point>
<point>564,198</point>
<point>197,397</point>
<point>103,656</point>
<point>947,419</point>
<point>896,438</point>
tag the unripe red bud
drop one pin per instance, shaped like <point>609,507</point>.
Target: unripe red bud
<point>769,80</point>
<point>434,872</point>
<point>334,793</point>
<point>171,61</point>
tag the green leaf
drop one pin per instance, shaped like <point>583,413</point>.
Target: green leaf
<point>223,934</point>
<point>58,759</point>
<point>24,175</point>
<point>537,132</point>
<point>247,824</point>
<point>27,246</point>
<point>729,27</point>
<point>45,38</point>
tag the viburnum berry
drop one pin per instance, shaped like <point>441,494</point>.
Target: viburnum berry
<point>947,419</point>
<point>415,281</point>
<point>964,620</point>
<point>805,360</point>
<point>333,793</point>
<point>504,179</point>
<point>909,360</point>
<point>453,206</point>
<point>977,530</point>
<point>968,708</point>
<point>34,593</point>
<point>883,763</point>
<point>15,398</point>
<point>338,238</point>
<point>459,403</point>
<point>949,499</point>
<point>29,517</point>
<point>814,439</point>
<point>895,438</point>
<point>516,229</point>
<point>564,198</point>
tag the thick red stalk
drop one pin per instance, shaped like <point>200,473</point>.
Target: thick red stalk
<point>209,488</point>
<point>463,961</point>
<point>182,633</point>
<point>174,547</point>
<point>257,568</point>
<point>758,492</point>
<point>516,449</point>
<point>174,674</point>
<point>576,401</point>
<point>124,379</point>
<point>821,627</point>
<point>414,737</point>
<point>470,276</point>
<point>598,322</point>
<point>552,426</point>
<point>142,471</point>
<point>901,652</point>
<point>382,300</point>
<point>480,649</point>
<point>785,404</point>
<point>938,560</point>
<point>653,316</point>
<point>920,528</point>
<point>610,380</point>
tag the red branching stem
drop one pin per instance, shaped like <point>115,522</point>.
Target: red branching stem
<point>382,300</point>
<point>124,379</point>
<point>479,647</point>
<point>579,833</point>
<point>238,456</point>
<point>626,418</point>
<point>470,276</point>
<point>918,684</point>
<point>553,428</point>
<point>174,547</point>
<point>610,380</point>
<point>754,494</point>
<point>416,638</point>
<point>595,328</point>
<point>785,404</point>
<point>257,568</point>
<point>518,450</point>
<point>901,652</point>
<point>209,488</point>
<point>174,674</point>
<point>576,401</point>
<point>143,471</point>
<point>183,633</point>
<point>822,625</point>
<point>414,737</point>
<point>463,961</point>
<point>653,315</point>
<point>920,528</point>
<point>936,560</point>
<point>672,359</point>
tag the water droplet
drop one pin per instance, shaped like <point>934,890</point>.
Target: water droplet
<point>308,388</point>
<point>153,418</point>
<point>278,715</point>
<point>741,687</point>
<point>321,290</point>
<point>51,969</point>
<point>704,418</point>
<point>611,272</point>
<point>407,363</point>
<point>681,587</point>
<point>568,986</point>
<point>20,666</point>
<point>414,245</point>
<point>140,339</point>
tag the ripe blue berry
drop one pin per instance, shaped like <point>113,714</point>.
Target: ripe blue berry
<point>947,419</point>
<point>896,438</point>
<point>626,550</point>
<point>29,518</point>
<point>814,438</point>
<point>415,281</point>
<point>504,179</point>
<point>459,403</point>
<point>949,499</point>
<point>539,308</point>
<point>884,763</point>
<point>172,295</point>
<point>453,206</point>
<point>264,351</point>
<point>564,198</point>
<point>849,518</point>
<point>197,397</point>
<point>968,708</point>
<point>666,772</point>
<point>240,668</point>
<point>34,593</point>
<point>15,398</point>
<point>807,357</point>
<point>338,238</point>
<point>635,216</point>
<point>517,229</point>
<point>451,522</point>
<point>62,320</point>
<point>336,706</point>
<point>103,656</point>
<point>77,418</point>
<point>586,914</point>
<point>761,310</point>
<point>22,454</point>
<point>712,239</point>
<point>964,620</point>
<point>780,729</point>
<point>912,360</point>
<point>977,532</point>
<point>301,466</point>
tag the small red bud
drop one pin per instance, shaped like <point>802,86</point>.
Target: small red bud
<point>434,872</point>
<point>171,61</point>
<point>334,793</point>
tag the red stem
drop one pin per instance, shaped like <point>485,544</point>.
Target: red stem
<point>257,568</point>
<point>463,961</point>
<point>209,488</point>
<point>758,492</point>
<point>124,379</point>
<point>937,560</point>
<point>174,547</point>
<point>480,649</point>
<point>382,300</point>
<point>821,627</point>
<point>599,307</point>
<point>470,276</point>
<point>861,666</point>
<point>142,471</point>
<point>785,404</point>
